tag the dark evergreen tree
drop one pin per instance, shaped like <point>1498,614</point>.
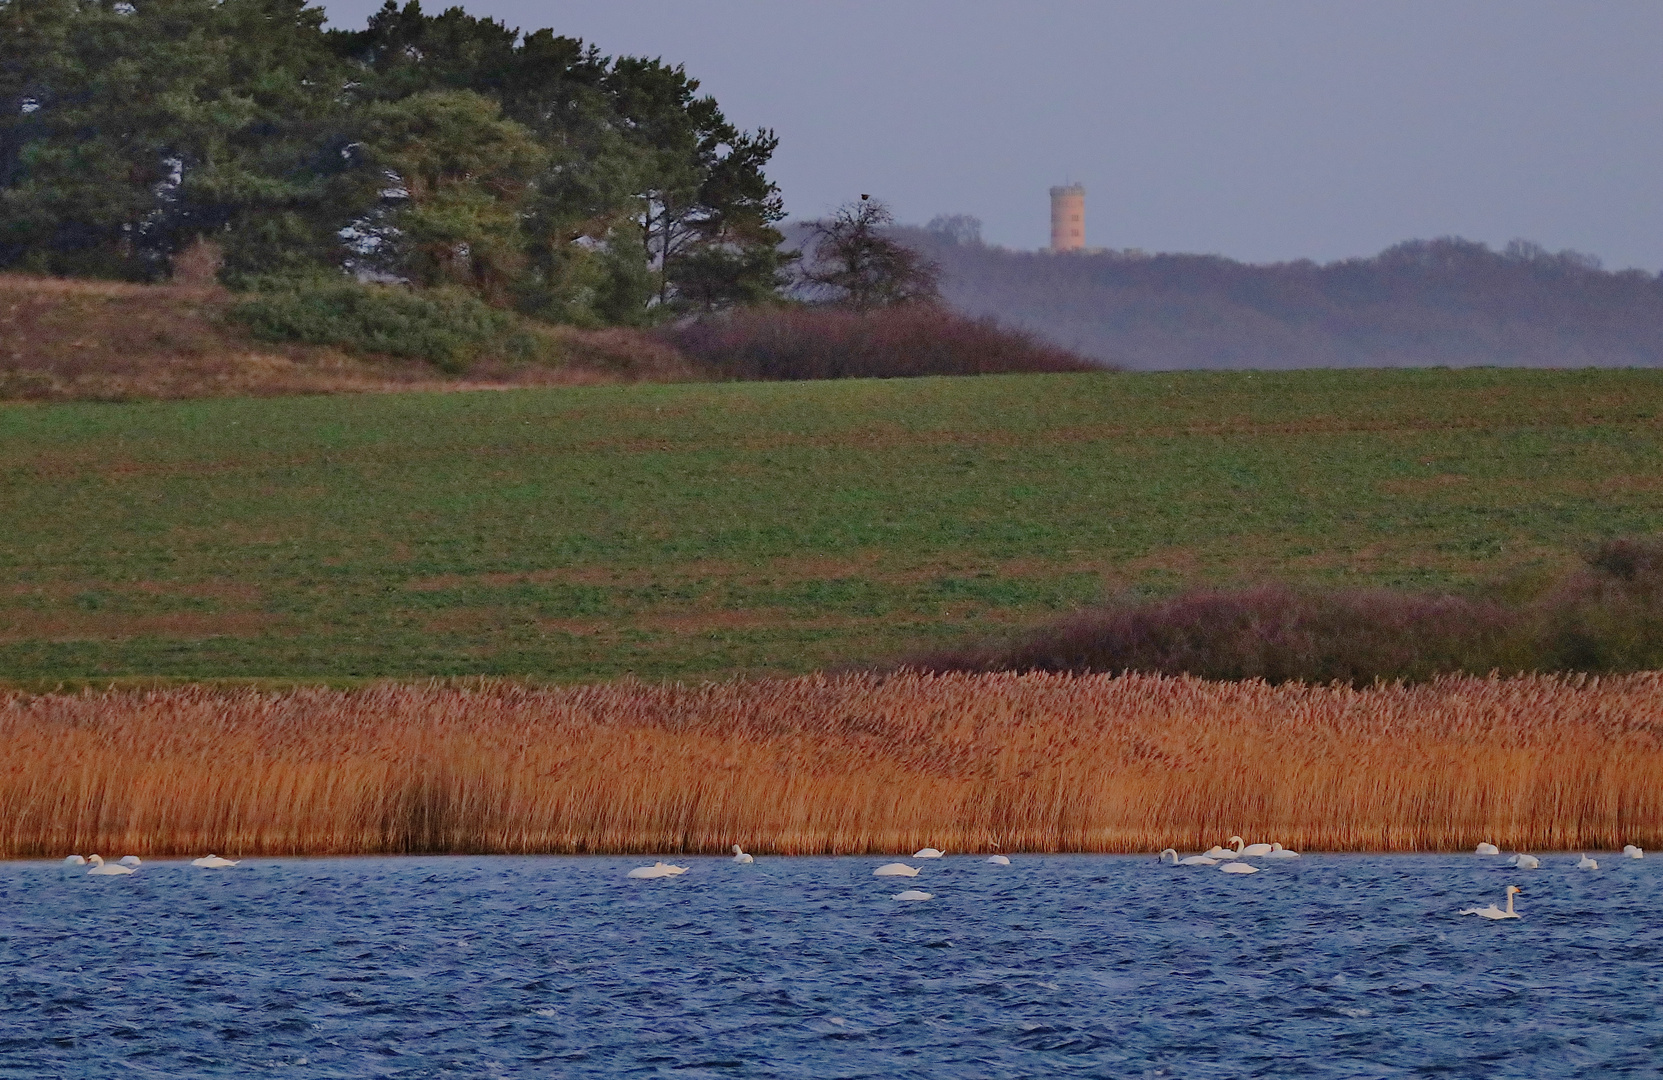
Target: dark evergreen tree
<point>140,126</point>
<point>438,149</point>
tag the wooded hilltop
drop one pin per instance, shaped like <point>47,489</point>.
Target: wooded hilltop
<point>1422,303</point>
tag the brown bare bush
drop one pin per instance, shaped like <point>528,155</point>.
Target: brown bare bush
<point>1270,632</point>
<point>855,763</point>
<point>837,343</point>
<point>1604,618</point>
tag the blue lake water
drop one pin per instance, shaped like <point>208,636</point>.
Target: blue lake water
<point>1326,966</point>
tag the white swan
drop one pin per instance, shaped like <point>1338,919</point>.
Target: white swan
<point>739,855</point>
<point>1525,862</point>
<point>913,894</point>
<point>1251,851</point>
<point>998,860</point>
<point>895,869</point>
<point>928,853</point>
<point>657,870</point>
<point>1486,849</point>
<point>132,860</point>
<point>1216,852</point>
<point>74,860</point>
<point>1493,912</point>
<point>1238,868</point>
<point>1632,852</point>
<point>1192,860</point>
<point>1585,863</point>
<point>213,862</point>
<point>1277,851</point>
<point>100,870</point>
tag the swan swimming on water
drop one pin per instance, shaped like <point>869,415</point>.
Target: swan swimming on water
<point>75,860</point>
<point>1252,851</point>
<point>100,870</point>
<point>132,860</point>
<point>913,894</point>
<point>213,862</point>
<point>1525,862</point>
<point>998,860</point>
<point>739,855</point>
<point>657,870</point>
<point>895,869</point>
<point>928,853</point>
<point>1277,851</point>
<point>1585,863</point>
<point>1493,912</point>
<point>1486,849</point>
<point>1632,852</point>
<point>1216,852</point>
<point>1192,860</point>
<point>1238,868</point>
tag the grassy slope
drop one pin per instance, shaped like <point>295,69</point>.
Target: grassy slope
<point>78,340</point>
<point>684,530</point>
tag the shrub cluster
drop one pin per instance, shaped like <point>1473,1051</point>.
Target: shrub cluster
<point>837,343</point>
<point>449,329</point>
<point>1607,617</point>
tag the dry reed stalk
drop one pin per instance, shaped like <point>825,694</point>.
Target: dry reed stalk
<point>856,763</point>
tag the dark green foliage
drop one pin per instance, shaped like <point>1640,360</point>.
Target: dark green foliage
<point>1610,616</point>
<point>449,328</point>
<point>633,154</point>
<point>439,150</point>
<point>131,129</point>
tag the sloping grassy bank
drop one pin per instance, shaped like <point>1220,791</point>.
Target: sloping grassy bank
<point>86,340</point>
<point>837,765</point>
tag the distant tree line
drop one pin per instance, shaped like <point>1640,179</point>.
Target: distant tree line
<point>1446,301</point>
<point>441,150</point>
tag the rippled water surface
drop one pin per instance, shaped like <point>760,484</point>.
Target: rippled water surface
<point>1054,966</point>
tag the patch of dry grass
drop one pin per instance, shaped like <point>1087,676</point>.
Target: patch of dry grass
<point>76,340</point>
<point>836,764</point>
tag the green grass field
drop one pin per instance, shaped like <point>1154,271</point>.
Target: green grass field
<point>707,530</point>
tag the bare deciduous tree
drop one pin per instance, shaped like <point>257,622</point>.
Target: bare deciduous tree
<point>860,265</point>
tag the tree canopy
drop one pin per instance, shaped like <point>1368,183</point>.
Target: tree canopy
<point>437,149</point>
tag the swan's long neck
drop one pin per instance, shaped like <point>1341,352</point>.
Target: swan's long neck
<point>1174,855</point>
<point>1239,845</point>
<point>1509,903</point>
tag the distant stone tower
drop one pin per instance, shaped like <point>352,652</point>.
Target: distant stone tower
<point>1068,218</point>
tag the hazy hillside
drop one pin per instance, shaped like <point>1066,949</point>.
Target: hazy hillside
<point>1440,302</point>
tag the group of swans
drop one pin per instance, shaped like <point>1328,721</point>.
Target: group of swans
<point>1531,862</point>
<point>894,869</point>
<point>1243,850</point>
<point>129,863</point>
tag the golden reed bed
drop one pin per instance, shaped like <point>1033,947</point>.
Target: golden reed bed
<point>836,764</point>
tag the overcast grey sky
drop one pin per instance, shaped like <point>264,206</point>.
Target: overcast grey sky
<point>1262,131</point>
